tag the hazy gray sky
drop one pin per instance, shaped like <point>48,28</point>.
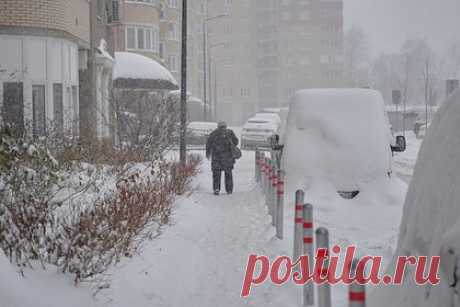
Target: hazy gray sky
<point>388,23</point>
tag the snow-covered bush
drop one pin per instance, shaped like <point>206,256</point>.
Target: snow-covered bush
<point>48,216</point>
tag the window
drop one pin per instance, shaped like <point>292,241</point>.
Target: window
<point>172,3</point>
<point>142,1</point>
<point>142,38</point>
<point>58,107</point>
<point>13,105</point>
<point>115,16</point>
<point>173,63</point>
<point>172,32</point>
<point>162,50</point>
<point>162,12</point>
<point>131,38</point>
<point>245,92</point>
<point>39,114</point>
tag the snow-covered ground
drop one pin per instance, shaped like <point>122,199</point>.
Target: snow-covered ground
<point>200,259</point>
<point>404,162</point>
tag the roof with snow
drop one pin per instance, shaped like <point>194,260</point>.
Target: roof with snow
<point>133,70</point>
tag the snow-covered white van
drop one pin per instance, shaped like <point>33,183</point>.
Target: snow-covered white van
<point>338,136</point>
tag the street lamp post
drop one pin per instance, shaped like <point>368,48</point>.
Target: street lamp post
<point>183,93</point>
<point>215,77</point>
<point>205,60</point>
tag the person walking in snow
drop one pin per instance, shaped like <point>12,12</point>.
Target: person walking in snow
<point>219,149</point>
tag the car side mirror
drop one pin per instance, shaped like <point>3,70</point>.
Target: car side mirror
<point>400,144</point>
<point>274,141</point>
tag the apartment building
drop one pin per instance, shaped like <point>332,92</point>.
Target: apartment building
<point>43,45</point>
<point>232,50</point>
<point>307,37</point>
<point>275,47</point>
<point>170,35</point>
<point>268,48</point>
<point>56,67</point>
<point>136,26</point>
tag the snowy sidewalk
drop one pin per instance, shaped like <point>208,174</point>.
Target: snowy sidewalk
<point>200,259</point>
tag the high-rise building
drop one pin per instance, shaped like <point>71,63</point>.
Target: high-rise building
<point>276,47</point>
<point>232,56</point>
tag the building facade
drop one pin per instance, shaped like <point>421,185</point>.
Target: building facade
<point>136,26</point>
<point>232,50</point>
<point>275,47</point>
<point>56,67</point>
<point>42,43</point>
<point>153,28</point>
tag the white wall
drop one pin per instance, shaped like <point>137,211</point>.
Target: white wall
<point>40,61</point>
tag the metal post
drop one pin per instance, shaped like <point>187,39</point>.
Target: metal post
<point>256,165</point>
<point>269,187</point>
<point>280,205</point>
<point>324,290</point>
<point>298,222</point>
<point>274,184</point>
<point>183,95</point>
<point>267,174</point>
<point>307,242</point>
<point>356,292</point>
<point>215,94</point>
<point>205,77</point>
<point>262,171</point>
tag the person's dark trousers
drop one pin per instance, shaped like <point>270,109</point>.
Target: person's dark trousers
<point>216,179</point>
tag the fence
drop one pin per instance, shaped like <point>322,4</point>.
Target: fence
<point>271,178</point>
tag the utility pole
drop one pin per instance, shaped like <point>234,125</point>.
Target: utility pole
<point>207,60</point>
<point>205,78</point>
<point>183,93</point>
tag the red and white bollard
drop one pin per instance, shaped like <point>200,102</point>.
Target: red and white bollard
<point>307,240</point>
<point>356,291</point>
<point>280,205</point>
<point>257,165</point>
<point>298,222</point>
<point>266,174</point>
<point>324,290</point>
<point>273,181</point>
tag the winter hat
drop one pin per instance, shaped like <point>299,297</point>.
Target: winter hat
<point>222,124</point>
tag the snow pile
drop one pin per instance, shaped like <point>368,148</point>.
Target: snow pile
<point>431,212</point>
<point>39,288</point>
<point>134,66</point>
<point>339,135</point>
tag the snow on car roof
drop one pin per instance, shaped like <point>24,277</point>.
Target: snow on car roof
<point>202,125</point>
<point>130,65</point>
<point>265,125</point>
<point>268,115</point>
<point>338,134</point>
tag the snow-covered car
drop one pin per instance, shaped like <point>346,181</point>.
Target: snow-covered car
<point>271,117</point>
<point>339,137</point>
<point>431,219</point>
<point>198,132</point>
<point>257,133</point>
<point>421,131</point>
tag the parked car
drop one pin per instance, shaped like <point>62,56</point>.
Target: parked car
<point>198,132</point>
<point>271,117</point>
<point>421,131</point>
<point>257,133</point>
<point>339,136</point>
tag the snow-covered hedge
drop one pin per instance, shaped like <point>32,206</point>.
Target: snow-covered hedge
<point>78,216</point>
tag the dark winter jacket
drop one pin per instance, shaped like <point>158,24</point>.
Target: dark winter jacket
<point>219,148</point>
